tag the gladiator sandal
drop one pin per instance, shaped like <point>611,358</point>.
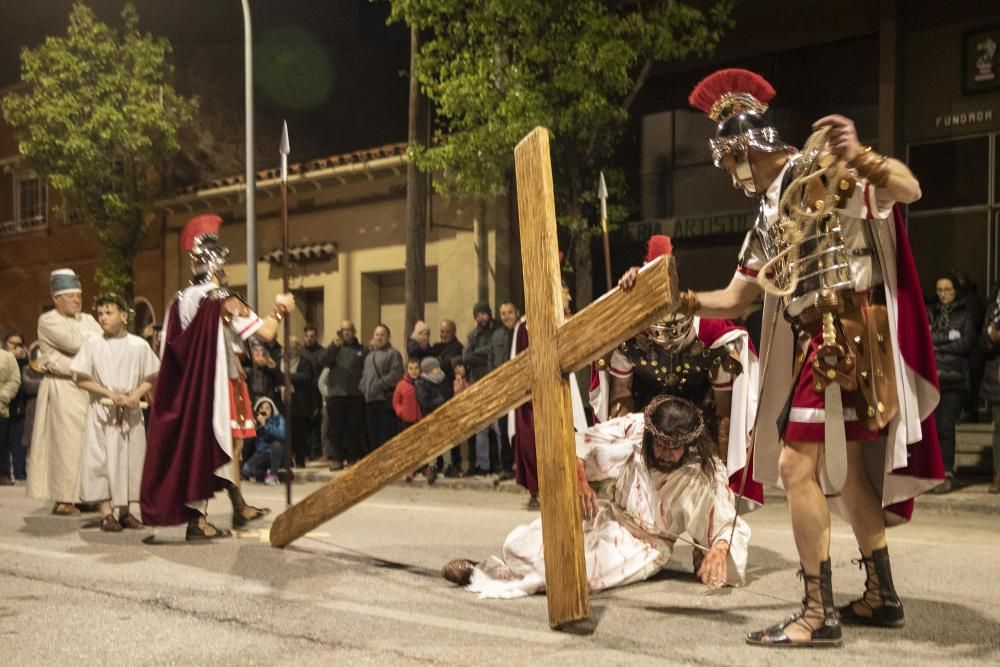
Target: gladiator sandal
<point>818,593</point>
<point>883,606</point>
<point>199,529</point>
<point>244,513</point>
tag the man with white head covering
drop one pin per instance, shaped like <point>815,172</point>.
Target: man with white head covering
<point>57,436</point>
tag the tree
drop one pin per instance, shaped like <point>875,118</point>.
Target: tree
<point>495,69</point>
<point>416,197</point>
<point>99,121</point>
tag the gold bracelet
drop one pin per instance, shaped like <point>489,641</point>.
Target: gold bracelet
<point>688,304</point>
<point>871,166</point>
<point>276,314</point>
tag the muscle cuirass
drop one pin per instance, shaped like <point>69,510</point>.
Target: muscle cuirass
<point>685,372</point>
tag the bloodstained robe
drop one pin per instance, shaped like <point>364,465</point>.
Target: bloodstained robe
<point>632,536</point>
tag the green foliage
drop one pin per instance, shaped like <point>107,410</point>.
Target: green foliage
<point>98,120</point>
<point>495,69</point>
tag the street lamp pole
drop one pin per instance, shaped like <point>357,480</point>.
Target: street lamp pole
<point>251,191</point>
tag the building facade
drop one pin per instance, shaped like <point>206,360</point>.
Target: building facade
<point>921,79</point>
<point>347,240</point>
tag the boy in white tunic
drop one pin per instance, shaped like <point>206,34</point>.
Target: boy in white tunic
<point>665,480</point>
<point>117,369</point>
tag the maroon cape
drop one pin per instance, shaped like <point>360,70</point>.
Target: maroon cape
<point>181,452</point>
<point>914,334</point>
<point>525,462</point>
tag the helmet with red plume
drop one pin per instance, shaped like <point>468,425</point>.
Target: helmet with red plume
<point>737,99</point>
<point>200,239</point>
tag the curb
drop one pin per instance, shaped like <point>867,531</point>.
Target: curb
<point>971,499</point>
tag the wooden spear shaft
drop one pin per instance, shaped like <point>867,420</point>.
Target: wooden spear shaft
<point>286,354</point>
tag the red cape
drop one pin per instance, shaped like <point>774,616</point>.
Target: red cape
<point>914,335</point>
<point>525,460</point>
<point>182,453</point>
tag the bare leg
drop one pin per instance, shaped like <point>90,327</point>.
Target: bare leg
<point>863,507</point>
<point>811,529</point>
<point>880,605</point>
<point>242,512</point>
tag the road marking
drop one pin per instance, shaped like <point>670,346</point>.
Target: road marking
<point>446,623</point>
<point>44,553</point>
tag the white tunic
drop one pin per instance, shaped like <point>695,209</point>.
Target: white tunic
<point>115,438</point>
<point>633,534</point>
<point>57,436</point>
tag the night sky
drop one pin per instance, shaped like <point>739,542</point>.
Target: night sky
<point>332,68</point>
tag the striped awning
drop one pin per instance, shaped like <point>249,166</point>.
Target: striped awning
<point>313,252</point>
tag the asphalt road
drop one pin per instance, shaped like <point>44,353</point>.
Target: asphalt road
<point>365,589</point>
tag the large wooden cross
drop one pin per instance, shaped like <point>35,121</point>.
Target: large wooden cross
<point>538,373</point>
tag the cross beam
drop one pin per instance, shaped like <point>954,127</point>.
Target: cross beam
<point>556,348</point>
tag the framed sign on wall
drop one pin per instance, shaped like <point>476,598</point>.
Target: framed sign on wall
<point>981,60</point>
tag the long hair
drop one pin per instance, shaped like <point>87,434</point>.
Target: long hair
<point>678,417</point>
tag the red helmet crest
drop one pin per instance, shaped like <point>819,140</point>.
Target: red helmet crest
<point>196,226</point>
<point>729,91</point>
<point>657,246</point>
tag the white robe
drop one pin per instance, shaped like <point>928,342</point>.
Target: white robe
<point>60,409</point>
<point>115,439</point>
<point>632,536</point>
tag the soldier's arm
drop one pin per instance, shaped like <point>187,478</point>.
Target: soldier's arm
<point>728,303</point>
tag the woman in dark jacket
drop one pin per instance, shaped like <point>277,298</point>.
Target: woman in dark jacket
<point>953,332</point>
<point>989,343</point>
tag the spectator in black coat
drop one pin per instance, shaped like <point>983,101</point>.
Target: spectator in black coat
<point>953,332</point>
<point>303,402</point>
<point>448,351</point>
<point>345,403</point>
<point>477,360</point>
<point>966,290</point>
<point>313,350</point>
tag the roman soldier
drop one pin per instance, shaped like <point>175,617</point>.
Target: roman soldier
<point>710,362</point>
<point>202,410</point>
<point>844,401</point>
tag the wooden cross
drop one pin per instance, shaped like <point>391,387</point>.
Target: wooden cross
<point>539,373</point>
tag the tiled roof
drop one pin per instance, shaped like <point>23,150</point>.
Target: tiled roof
<point>356,157</point>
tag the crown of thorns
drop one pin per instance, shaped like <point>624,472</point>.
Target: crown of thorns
<point>672,441</point>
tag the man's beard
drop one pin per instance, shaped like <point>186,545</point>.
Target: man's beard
<point>668,466</point>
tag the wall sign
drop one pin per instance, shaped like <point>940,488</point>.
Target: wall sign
<point>689,227</point>
<point>964,118</point>
<point>981,60</point>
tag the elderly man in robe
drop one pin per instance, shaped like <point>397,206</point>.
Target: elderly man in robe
<point>61,406</point>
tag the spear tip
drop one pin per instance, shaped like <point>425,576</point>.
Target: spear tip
<point>602,188</point>
<point>285,149</point>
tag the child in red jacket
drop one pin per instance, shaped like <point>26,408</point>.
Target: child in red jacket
<point>404,398</point>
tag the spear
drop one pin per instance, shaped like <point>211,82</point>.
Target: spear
<point>286,351</point>
<point>602,194</point>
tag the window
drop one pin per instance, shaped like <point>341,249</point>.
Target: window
<point>31,203</point>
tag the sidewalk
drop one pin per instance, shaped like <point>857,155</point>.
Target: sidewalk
<point>973,498</point>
